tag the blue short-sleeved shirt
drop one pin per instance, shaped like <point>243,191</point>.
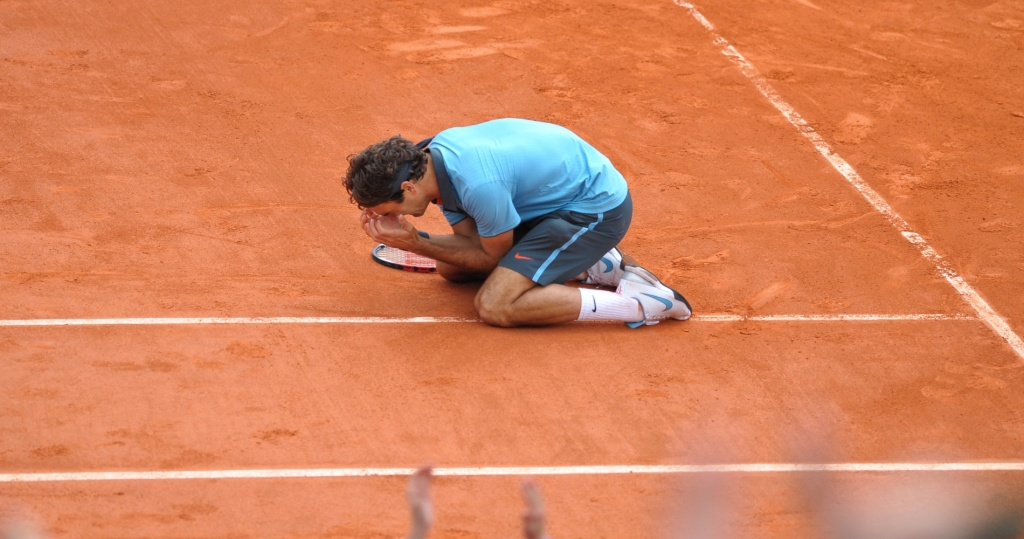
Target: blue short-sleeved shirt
<point>510,170</point>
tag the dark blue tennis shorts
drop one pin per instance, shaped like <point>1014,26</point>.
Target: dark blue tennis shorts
<point>559,246</point>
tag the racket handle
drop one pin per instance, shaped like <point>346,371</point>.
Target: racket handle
<point>424,234</point>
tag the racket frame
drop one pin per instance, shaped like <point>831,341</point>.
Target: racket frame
<point>397,265</point>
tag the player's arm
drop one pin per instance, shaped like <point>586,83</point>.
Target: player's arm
<point>488,206</point>
<point>466,248</point>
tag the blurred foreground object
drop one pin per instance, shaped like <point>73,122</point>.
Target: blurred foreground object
<point>19,524</point>
<point>534,519</point>
<point>421,508</point>
<point>912,507</point>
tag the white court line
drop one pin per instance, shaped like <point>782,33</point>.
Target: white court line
<point>231,320</point>
<point>985,312</point>
<point>829,317</point>
<point>446,320</point>
<point>287,473</point>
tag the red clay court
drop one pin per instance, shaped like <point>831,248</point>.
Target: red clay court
<point>196,343</point>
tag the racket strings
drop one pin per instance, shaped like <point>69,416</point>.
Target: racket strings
<point>400,256</point>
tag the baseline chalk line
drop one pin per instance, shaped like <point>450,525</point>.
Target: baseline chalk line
<point>299,473</point>
<point>966,291</point>
<point>269,320</point>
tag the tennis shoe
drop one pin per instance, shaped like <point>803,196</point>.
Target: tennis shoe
<point>607,271</point>
<point>657,300</point>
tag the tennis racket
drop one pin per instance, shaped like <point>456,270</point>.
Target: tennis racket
<point>393,257</point>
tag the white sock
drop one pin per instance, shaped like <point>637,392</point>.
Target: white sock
<point>608,305</point>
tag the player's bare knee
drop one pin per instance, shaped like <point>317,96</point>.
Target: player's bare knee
<point>493,313</point>
<point>497,317</point>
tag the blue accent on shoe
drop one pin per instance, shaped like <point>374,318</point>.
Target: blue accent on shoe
<point>642,321</point>
<point>665,302</point>
<point>608,264</point>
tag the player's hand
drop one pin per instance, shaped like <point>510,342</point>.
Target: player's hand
<point>395,231</point>
<point>365,216</point>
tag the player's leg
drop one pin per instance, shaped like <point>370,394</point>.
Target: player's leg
<point>527,289</point>
<point>508,299</point>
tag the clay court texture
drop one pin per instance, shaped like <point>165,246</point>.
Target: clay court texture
<point>194,341</point>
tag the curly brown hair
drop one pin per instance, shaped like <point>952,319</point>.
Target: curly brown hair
<point>372,173</point>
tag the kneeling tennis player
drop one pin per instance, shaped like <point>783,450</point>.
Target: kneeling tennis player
<point>532,206</point>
